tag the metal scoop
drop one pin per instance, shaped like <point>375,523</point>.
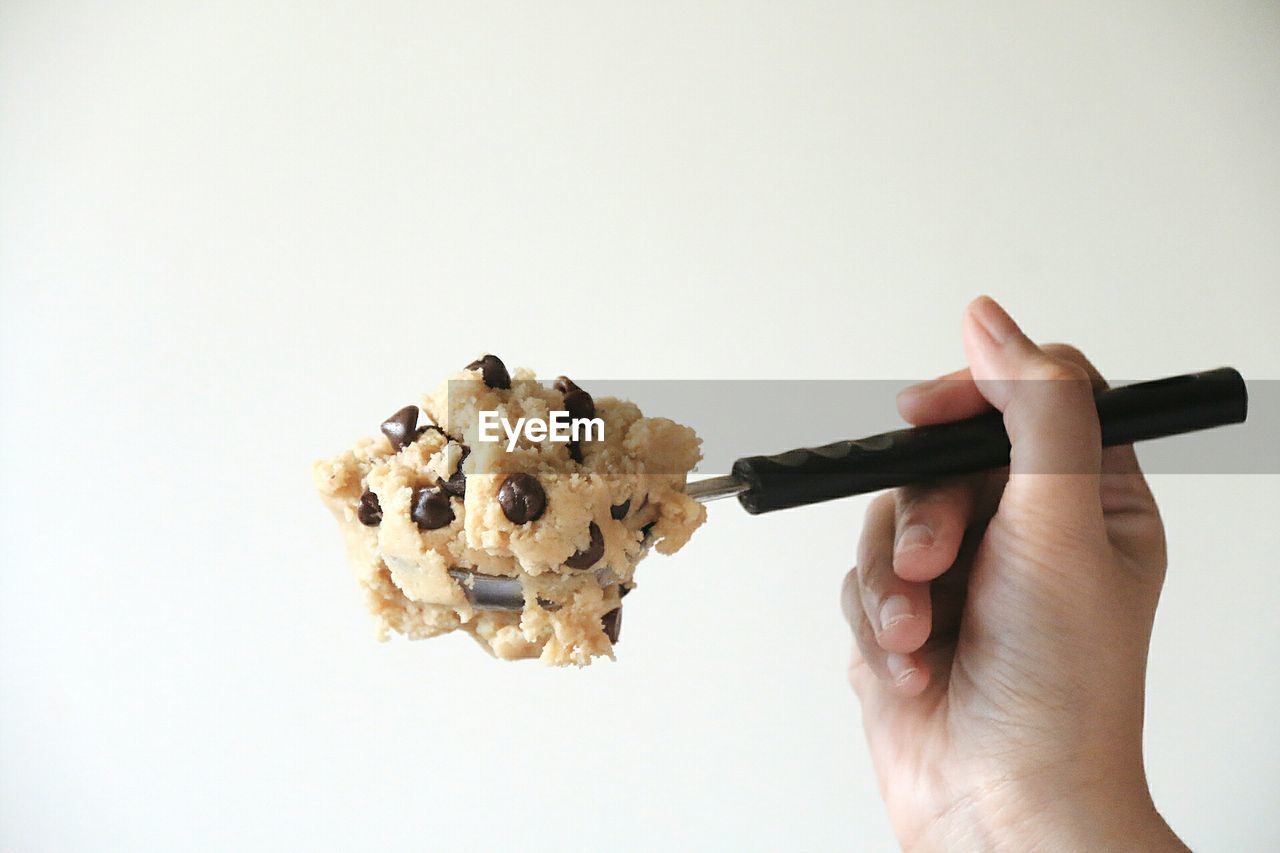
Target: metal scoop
<point>1162,407</point>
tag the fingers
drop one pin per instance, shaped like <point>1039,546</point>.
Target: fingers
<point>870,665</point>
<point>948,398</point>
<point>890,617</point>
<point>956,396</point>
<point>1049,414</point>
<point>904,627</point>
<point>929,525</point>
<point>898,610</point>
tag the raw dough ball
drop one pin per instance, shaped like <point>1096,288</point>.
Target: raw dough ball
<point>570,521</point>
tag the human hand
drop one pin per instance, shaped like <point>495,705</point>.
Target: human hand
<point>1002,620</point>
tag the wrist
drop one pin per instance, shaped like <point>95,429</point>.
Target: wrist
<point>1067,814</point>
<point>1085,821</point>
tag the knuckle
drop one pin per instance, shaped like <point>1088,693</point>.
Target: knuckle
<point>872,569</point>
<point>878,504</point>
<point>912,498</point>
<point>866,650</point>
<point>920,503</point>
<point>851,599</point>
<point>1067,352</point>
<point>1056,370</point>
<point>1071,355</point>
<point>859,672</point>
<point>849,587</point>
<point>863,635</point>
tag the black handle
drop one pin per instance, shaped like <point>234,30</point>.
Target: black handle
<point>1132,413</point>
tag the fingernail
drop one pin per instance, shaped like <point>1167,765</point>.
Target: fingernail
<point>914,536</point>
<point>899,666</point>
<point>995,320</point>
<point>895,609</point>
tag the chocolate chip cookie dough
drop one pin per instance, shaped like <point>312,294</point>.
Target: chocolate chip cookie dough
<point>570,520</point>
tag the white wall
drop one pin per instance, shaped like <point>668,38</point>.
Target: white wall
<point>233,238</point>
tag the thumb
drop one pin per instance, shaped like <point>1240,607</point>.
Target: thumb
<point>1056,457</point>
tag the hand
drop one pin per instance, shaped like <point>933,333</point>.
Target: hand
<point>1002,621</point>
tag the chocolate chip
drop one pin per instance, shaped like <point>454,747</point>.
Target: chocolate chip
<point>623,590</point>
<point>431,509</point>
<point>575,451</point>
<point>619,511</point>
<point>494,371</point>
<point>522,499</point>
<point>369,511</point>
<point>564,385</point>
<point>457,484</point>
<point>590,555</point>
<point>549,606</point>
<point>577,403</point>
<point>612,624</point>
<point>401,427</point>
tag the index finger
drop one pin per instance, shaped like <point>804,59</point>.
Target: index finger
<point>955,396</point>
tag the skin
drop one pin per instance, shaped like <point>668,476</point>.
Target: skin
<point>1002,621</point>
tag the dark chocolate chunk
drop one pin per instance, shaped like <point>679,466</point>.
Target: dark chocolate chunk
<point>457,484</point>
<point>612,624</point>
<point>549,606</point>
<point>564,385</point>
<point>619,511</point>
<point>494,371</point>
<point>590,555</point>
<point>401,427</point>
<point>575,451</point>
<point>369,511</point>
<point>579,405</point>
<point>522,499</point>
<point>431,509</point>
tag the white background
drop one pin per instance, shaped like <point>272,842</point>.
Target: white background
<point>235,236</point>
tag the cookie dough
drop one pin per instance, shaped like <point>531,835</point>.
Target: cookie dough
<point>569,520</point>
